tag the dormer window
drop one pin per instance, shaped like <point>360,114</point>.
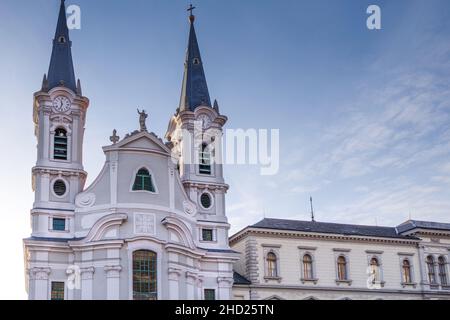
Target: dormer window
<point>196,61</point>
<point>62,39</point>
<point>60,145</point>
<point>143,181</point>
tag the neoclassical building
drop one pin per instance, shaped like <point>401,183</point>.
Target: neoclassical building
<point>288,259</point>
<point>152,225</point>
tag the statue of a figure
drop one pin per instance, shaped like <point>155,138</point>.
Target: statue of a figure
<point>142,118</point>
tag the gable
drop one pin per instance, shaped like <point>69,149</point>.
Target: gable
<point>142,141</point>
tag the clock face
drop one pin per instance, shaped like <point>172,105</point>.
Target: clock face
<point>61,104</point>
<point>206,121</point>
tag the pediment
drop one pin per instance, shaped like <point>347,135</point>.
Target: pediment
<point>140,141</point>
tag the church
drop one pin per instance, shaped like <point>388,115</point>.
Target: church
<point>152,225</point>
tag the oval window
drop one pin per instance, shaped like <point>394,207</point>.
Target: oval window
<point>205,199</point>
<point>59,187</point>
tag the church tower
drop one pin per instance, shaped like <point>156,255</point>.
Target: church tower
<point>195,137</point>
<point>59,114</point>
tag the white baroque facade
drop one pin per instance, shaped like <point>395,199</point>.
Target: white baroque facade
<point>152,225</point>
<point>297,260</point>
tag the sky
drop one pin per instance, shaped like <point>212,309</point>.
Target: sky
<point>364,115</point>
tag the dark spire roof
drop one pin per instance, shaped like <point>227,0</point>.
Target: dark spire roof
<point>194,91</point>
<point>61,70</point>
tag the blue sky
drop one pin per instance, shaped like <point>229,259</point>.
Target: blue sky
<point>363,115</point>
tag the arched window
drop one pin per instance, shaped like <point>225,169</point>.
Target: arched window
<point>406,271</point>
<point>143,181</point>
<point>60,144</point>
<point>375,269</point>
<point>205,159</point>
<point>307,267</point>
<point>272,265</point>
<point>443,270</point>
<point>145,275</point>
<point>431,270</point>
<point>342,268</point>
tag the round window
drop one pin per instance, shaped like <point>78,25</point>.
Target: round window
<point>59,187</point>
<point>205,199</point>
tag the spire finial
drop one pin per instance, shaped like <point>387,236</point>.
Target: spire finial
<point>312,209</point>
<point>114,138</point>
<point>191,16</point>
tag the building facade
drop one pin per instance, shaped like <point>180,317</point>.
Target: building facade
<point>297,260</point>
<point>152,225</point>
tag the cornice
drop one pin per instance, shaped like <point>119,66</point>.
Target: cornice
<point>315,236</point>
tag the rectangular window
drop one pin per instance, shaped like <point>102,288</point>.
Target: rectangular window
<point>57,291</point>
<point>59,224</point>
<point>210,294</point>
<point>207,235</point>
<point>205,161</point>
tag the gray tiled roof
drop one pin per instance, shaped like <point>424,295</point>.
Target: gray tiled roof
<point>239,279</point>
<point>334,228</point>
<point>415,224</point>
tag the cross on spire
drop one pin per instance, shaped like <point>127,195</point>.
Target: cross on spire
<point>190,9</point>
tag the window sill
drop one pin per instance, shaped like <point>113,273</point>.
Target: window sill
<point>309,280</point>
<point>446,287</point>
<point>348,282</point>
<point>267,279</point>
<point>409,284</point>
<point>59,231</point>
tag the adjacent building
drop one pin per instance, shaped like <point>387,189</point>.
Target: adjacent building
<point>296,260</point>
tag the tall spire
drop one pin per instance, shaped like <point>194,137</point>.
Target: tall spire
<point>194,91</point>
<point>61,71</point>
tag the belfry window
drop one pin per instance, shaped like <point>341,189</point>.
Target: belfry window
<point>143,181</point>
<point>145,275</point>
<point>60,144</point>
<point>205,159</point>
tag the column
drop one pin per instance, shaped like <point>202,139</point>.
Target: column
<point>199,287</point>
<point>41,286</point>
<point>174,280</point>
<point>225,284</point>
<point>87,282</point>
<point>190,285</point>
<point>113,282</point>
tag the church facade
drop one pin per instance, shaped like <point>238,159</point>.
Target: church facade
<point>152,225</point>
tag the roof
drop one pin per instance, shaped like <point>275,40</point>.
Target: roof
<point>52,239</point>
<point>61,71</point>
<point>334,228</point>
<point>239,279</point>
<point>194,92</point>
<point>429,225</point>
